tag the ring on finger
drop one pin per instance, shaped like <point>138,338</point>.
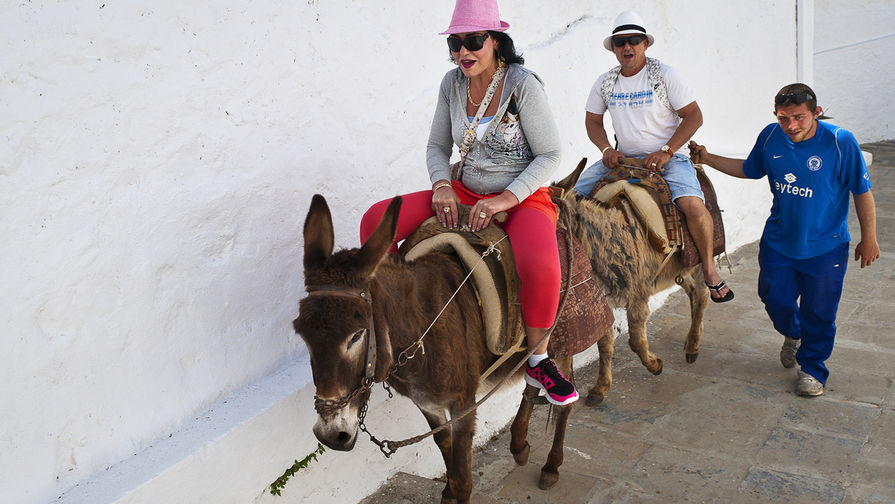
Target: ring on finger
<point>447,209</point>
<point>483,215</point>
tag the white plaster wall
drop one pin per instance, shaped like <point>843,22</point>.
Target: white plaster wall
<point>854,73</point>
<point>156,163</point>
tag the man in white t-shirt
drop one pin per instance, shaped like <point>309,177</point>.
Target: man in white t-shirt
<point>654,114</point>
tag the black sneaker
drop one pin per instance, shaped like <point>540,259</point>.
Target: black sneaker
<point>560,391</point>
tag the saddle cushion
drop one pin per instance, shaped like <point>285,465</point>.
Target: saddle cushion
<point>584,316</point>
<point>645,207</point>
<point>496,284</point>
<point>493,310</point>
<point>650,199</point>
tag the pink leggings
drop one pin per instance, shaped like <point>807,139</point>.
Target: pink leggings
<point>532,233</point>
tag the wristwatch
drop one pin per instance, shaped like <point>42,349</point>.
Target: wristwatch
<point>667,150</point>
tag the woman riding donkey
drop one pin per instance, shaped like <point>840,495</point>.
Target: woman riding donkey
<point>509,147</point>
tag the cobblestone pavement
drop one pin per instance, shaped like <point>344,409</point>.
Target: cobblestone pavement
<point>729,427</point>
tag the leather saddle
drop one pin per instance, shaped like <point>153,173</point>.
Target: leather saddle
<point>650,198</point>
<point>584,314</point>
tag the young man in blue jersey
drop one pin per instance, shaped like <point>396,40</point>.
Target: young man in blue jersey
<point>811,167</point>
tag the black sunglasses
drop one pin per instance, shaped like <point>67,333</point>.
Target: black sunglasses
<point>471,42</point>
<point>633,40</point>
<point>794,98</point>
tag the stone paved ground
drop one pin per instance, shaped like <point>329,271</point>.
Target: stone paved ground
<point>727,428</point>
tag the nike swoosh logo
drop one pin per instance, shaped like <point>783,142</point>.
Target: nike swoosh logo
<point>778,157</point>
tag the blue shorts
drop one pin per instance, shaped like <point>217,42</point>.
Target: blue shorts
<point>678,172</point>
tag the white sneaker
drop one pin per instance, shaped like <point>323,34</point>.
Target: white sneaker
<point>809,386</point>
<point>788,352</point>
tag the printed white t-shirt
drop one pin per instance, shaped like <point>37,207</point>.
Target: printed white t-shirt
<point>641,122</point>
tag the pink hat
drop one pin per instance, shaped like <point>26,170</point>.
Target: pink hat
<point>475,15</point>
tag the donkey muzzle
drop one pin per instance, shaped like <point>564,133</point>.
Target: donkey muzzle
<point>339,431</point>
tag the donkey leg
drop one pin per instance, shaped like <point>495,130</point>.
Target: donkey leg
<point>444,442</point>
<point>519,446</point>
<point>597,393</point>
<point>638,312</point>
<point>460,472</point>
<point>698,294</point>
<point>550,471</point>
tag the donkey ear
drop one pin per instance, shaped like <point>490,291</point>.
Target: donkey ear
<point>318,233</point>
<point>379,243</point>
<point>565,185</point>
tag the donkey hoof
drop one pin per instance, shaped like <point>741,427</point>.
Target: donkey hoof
<point>691,357</point>
<point>521,457</point>
<point>548,479</point>
<point>594,400</point>
<point>659,365</point>
<point>447,497</point>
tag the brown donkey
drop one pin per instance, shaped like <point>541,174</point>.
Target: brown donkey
<point>365,308</point>
<point>629,270</point>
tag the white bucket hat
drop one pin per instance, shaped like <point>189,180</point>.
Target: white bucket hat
<point>627,23</point>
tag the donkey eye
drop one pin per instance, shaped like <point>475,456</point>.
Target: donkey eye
<point>357,337</point>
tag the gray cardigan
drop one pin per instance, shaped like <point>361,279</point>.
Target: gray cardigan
<point>518,152</point>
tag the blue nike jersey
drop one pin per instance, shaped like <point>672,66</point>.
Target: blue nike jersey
<point>811,181</point>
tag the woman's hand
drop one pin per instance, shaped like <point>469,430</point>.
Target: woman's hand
<point>482,212</point>
<point>444,203</point>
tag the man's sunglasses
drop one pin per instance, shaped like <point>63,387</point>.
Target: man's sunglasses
<point>471,42</point>
<point>794,98</point>
<point>633,40</point>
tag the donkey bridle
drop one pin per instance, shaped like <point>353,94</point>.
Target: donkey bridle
<point>325,406</point>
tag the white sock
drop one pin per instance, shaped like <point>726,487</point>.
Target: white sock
<point>535,359</point>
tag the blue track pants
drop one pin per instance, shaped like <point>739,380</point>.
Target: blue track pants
<point>801,297</point>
